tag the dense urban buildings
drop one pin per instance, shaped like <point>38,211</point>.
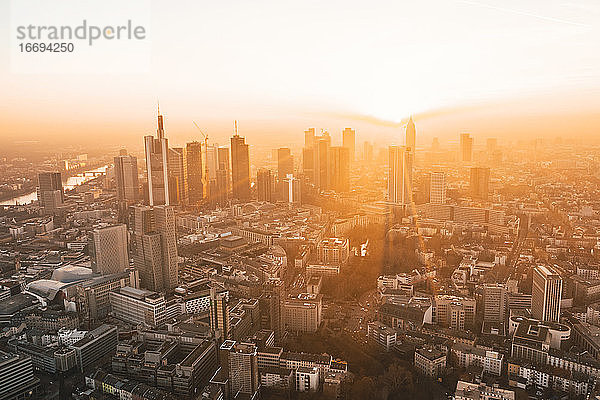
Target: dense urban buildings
<point>213,273</point>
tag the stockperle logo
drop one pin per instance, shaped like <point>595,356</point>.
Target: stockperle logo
<point>85,31</point>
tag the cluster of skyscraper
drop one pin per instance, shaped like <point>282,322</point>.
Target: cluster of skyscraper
<point>326,166</point>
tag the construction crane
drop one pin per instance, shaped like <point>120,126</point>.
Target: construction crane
<point>205,180</point>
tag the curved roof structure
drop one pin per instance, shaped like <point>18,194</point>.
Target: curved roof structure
<point>46,288</point>
<point>71,273</point>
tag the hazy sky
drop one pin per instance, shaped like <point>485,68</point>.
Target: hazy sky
<point>280,66</point>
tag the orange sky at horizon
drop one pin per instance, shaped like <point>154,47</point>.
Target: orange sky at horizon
<point>510,71</point>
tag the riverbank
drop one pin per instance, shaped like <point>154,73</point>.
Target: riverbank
<point>75,178</point>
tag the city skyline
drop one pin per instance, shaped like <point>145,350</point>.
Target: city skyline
<point>333,200</point>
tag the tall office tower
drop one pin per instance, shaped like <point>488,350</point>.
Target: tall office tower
<point>164,222</point>
<point>225,164</point>
<point>321,154</point>
<point>194,172</point>
<point>411,136</point>
<point>219,192</point>
<point>368,152</point>
<point>494,302</point>
<point>466,147</point>
<point>400,175</point>
<point>270,307</point>
<point>479,184</point>
<point>308,163</point>
<point>219,313</point>
<point>240,167</point>
<point>435,144</point>
<point>349,142</point>
<point>126,178</point>
<point>285,162</point>
<point>546,293</point>
<point>437,188</point>
<point>108,249</point>
<point>264,185</point>
<point>178,189</point>
<point>212,161</point>
<point>309,138</point>
<point>50,191</point>
<point>239,363</point>
<point>291,190</point>
<point>154,247</point>
<point>157,154</point>
<point>123,152</point>
<point>339,169</point>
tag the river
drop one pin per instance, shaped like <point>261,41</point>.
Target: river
<point>72,181</point>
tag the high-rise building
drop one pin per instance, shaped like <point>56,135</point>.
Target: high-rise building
<point>264,185</point>
<point>220,190</point>
<point>126,178</point>
<point>219,313</point>
<point>411,136</point>
<point>349,142</point>
<point>494,302</point>
<point>108,249</point>
<point>309,138</point>
<point>321,154</point>
<point>339,169</point>
<point>437,188</point>
<point>316,158</point>
<point>285,162</point>
<point>157,155</point>
<point>400,175</point>
<point>479,184</point>
<point>164,224</point>
<point>291,190</point>
<point>308,163</point>
<point>212,161</point>
<point>154,246</point>
<point>240,167</point>
<point>546,294</point>
<point>466,147</point>
<point>270,307</point>
<point>239,362</point>
<point>195,172</point>
<point>178,189</point>
<point>225,165</point>
<point>50,191</point>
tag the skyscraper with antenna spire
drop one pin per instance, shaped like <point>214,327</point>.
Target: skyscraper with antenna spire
<point>411,136</point>
<point>156,150</point>
<point>240,167</point>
